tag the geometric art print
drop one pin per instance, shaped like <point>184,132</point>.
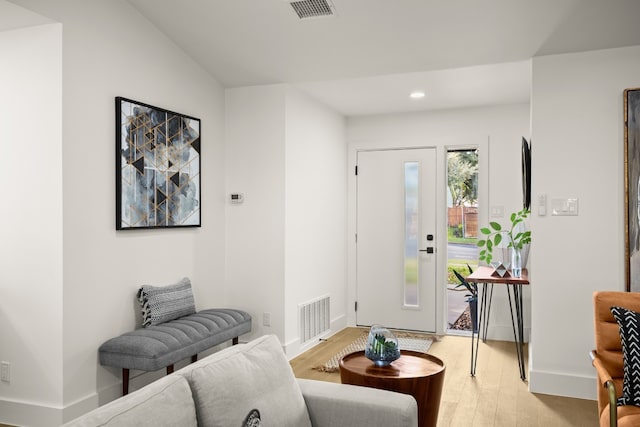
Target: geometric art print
<point>157,167</point>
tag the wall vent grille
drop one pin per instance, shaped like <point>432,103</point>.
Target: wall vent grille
<point>312,8</point>
<point>314,318</point>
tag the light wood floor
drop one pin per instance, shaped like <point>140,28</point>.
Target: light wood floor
<point>494,397</point>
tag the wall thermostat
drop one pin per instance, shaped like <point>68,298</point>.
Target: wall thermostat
<point>236,198</point>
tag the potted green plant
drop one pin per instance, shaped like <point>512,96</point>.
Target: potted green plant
<point>472,297</point>
<point>516,236</point>
<point>382,346</point>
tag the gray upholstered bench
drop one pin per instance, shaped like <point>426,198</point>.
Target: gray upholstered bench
<point>159,346</point>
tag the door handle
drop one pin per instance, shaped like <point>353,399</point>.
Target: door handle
<point>429,250</point>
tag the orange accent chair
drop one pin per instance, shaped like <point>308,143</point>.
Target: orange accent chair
<point>607,358</point>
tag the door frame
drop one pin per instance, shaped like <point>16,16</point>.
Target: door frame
<point>483,143</point>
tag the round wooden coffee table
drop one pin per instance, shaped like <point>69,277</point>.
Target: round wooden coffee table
<point>418,374</point>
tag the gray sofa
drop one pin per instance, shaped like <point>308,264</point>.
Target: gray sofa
<point>250,385</point>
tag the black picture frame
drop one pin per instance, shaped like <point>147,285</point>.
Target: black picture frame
<point>632,187</point>
<point>158,165</point>
<point>526,174</point>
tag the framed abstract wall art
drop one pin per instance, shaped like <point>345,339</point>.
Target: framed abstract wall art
<point>632,186</point>
<point>157,167</point>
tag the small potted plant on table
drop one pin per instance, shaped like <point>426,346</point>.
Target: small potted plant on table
<point>517,239</point>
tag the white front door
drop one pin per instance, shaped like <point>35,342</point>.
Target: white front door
<point>396,241</point>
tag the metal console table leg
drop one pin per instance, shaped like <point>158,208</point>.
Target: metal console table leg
<point>483,324</point>
<point>518,330</point>
<point>484,276</point>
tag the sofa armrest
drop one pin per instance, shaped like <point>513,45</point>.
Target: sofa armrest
<point>333,405</point>
<point>604,377</point>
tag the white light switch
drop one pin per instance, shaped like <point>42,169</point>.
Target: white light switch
<point>564,207</point>
<point>542,204</point>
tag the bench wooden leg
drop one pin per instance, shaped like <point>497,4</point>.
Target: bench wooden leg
<point>194,358</point>
<point>234,341</point>
<point>125,382</point>
<point>169,369</point>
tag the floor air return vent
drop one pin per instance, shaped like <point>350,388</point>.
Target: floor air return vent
<point>314,319</point>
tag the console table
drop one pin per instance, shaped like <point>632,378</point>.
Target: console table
<point>418,374</point>
<point>483,276</point>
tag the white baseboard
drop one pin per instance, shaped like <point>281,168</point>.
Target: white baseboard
<point>559,384</point>
<point>80,407</point>
<point>29,414</point>
<point>339,323</point>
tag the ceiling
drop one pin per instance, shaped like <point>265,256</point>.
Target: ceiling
<point>368,56</point>
<point>13,17</point>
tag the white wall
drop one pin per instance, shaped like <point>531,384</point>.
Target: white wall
<point>110,50</point>
<point>31,220</point>
<point>315,211</point>
<point>285,243</point>
<point>578,143</point>
<point>496,130</point>
<point>255,166</point>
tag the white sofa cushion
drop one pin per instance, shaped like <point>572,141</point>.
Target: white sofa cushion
<point>163,403</point>
<point>227,386</point>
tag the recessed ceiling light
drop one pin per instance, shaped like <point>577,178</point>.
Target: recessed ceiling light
<point>416,94</point>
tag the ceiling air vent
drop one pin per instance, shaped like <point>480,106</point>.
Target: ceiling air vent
<point>312,8</point>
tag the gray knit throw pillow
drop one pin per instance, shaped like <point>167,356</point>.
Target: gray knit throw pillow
<point>163,303</point>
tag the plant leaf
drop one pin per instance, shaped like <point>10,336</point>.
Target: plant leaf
<point>481,243</point>
<point>463,281</point>
<point>497,239</point>
<point>495,225</point>
<point>485,230</point>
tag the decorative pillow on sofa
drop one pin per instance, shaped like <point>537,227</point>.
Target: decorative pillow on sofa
<point>253,419</point>
<point>163,403</point>
<point>629,322</point>
<point>161,304</point>
<point>245,379</point>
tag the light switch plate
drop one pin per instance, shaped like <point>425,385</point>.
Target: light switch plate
<point>564,207</point>
<point>542,204</point>
<point>5,372</point>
